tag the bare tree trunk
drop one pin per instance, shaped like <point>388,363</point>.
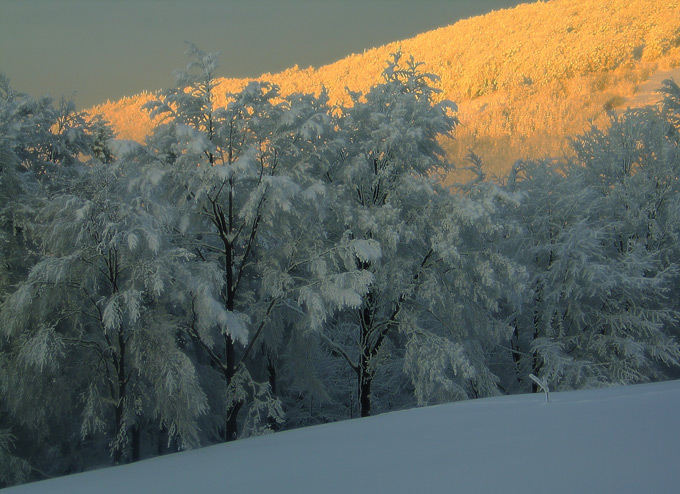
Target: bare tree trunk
<point>120,404</point>
<point>365,373</point>
<point>365,381</point>
<point>231,423</point>
<point>271,375</point>
<point>136,443</point>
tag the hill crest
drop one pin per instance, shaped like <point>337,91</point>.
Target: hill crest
<point>524,78</point>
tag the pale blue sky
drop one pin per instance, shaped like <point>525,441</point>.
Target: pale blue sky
<point>107,49</point>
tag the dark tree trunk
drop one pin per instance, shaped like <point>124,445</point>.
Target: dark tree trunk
<point>365,380</point>
<point>271,371</point>
<point>136,443</point>
<point>364,370</point>
<point>118,451</point>
<point>162,440</point>
<point>120,405</point>
<point>516,352</point>
<point>231,424</point>
<point>535,360</point>
<point>365,374</point>
<point>231,431</point>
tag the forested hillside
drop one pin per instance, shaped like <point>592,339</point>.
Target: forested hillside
<point>278,258</point>
<point>280,262</point>
<point>524,78</point>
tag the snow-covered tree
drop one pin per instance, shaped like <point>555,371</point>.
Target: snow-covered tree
<point>403,246</point>
<point>462,329</point>
<point>15,470</point>
<point>11,237</point>
<point>39,146</point>
<point>18,184</point>
<point>600,243</point>
<point>237,181</point>
<point>561,249</point>
<point>14,261</point>
<point>633,166</point>
<point>43,134</point>
<point>671,102</point>
<point>91,328</point>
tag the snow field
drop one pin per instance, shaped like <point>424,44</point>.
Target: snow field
<point>613,440</point>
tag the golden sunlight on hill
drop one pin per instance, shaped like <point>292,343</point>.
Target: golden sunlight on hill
<point>524,78</point>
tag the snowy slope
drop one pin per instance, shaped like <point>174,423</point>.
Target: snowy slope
<point>618,440</point>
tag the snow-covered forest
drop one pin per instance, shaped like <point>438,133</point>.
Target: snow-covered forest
<point>279,262</point>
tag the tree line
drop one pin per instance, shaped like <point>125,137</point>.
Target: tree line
<point>277,262</point>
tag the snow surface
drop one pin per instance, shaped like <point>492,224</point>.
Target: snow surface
<point>618,440</point>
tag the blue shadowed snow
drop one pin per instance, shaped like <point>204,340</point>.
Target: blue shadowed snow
<point>614,440</point>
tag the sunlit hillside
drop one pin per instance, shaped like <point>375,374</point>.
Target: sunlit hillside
<point>524,78</point>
